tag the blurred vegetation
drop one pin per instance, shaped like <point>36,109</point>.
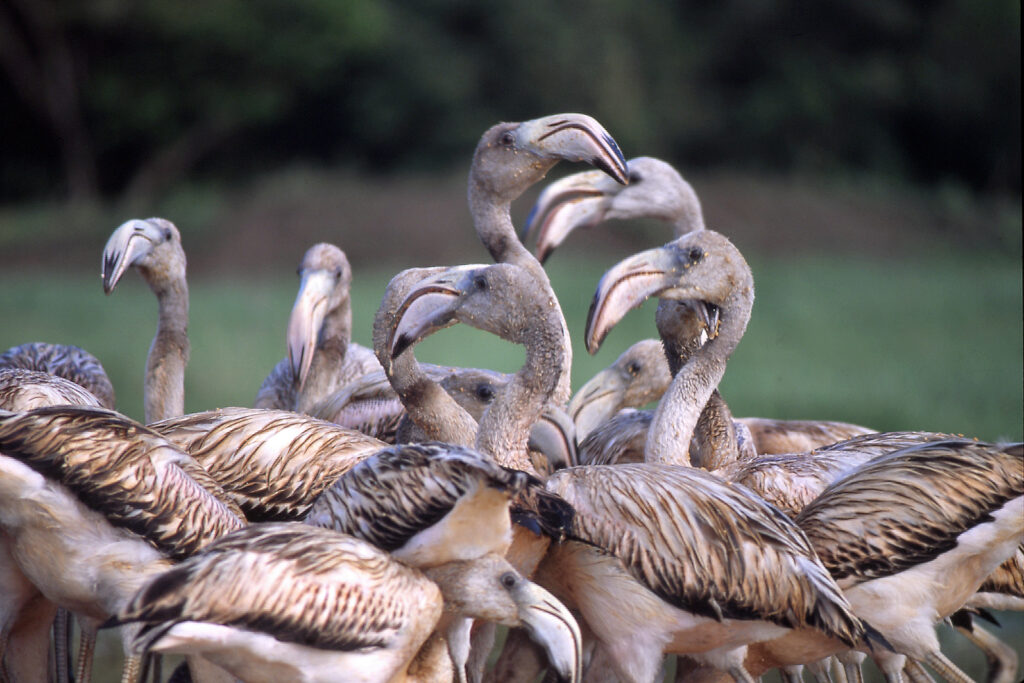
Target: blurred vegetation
<point>125,98</point>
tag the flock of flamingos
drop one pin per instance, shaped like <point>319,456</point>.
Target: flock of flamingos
<point>374,518</point>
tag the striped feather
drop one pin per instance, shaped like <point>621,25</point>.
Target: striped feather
<point>123,470</point>
<point>920,499</point>
<point>1008,578</point>
<point>300,584</point>
<point>797,436</point>
<point>63,360</point>
<point>404,490</point>
<point>27,389</point>
<point>704,545</point>
<point>273,464</point>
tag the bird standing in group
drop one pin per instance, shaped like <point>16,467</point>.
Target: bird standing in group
<point>702,267</point>
<point>153,247</point>
<point>93,504</point>
<point>657,191</point>
<point>286,601</point>
<point>322,357</point>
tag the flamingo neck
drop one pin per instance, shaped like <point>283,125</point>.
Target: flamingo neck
<point>428,404</point>
<point>505,426</point>
<point>493,222</point>
<point>164,389</point>
<point>679,411</point>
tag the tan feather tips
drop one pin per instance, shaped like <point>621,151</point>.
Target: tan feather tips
<point>705,546</point>
<point>700,266</point>
<point>124,471</point>
<point>297,583</point>
<point>909,506</point>
<point>27,389</point>
<point>428,503</point>
<point>66,361</point>
<point>272,463</point>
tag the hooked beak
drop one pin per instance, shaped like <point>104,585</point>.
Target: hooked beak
<point>551,625</point>
<point>554,435</point>
<point>709,315</point>
<point>574,137</point>
<point>597,400</point>
<point>577,201</point>
<point>627,285</point>
<point>130,242</point>
<point>307,315</point>
<point>429,307</point>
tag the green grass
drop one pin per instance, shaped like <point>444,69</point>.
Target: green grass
<point>930,344</point>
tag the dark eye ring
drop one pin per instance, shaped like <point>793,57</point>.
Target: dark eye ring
<point>696,254</point>
<point>480,282</point>
<point>167,234</point>
<point>633,368</point>
<point>507,139</point>
<point>508,580</point>
<point>485,392</point>
<point>634,177</point>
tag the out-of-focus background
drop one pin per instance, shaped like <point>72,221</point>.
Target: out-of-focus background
<point>866,157</point>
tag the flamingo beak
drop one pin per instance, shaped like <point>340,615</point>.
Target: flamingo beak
<point>430,306</point>
<point>307,316</point>
<point>125,247</point>
<point>574,137</point>
<point>550,624</point>
<point>554,435</point>
<point>628,284</point>
<point>596,400</point>
<point>580,200</point>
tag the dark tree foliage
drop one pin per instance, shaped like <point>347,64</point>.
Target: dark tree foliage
<point>127,97</point>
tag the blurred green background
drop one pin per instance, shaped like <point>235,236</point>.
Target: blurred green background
<point>865,157</point>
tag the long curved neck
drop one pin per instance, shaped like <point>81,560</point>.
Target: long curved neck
<point>428,404</point>
<point>493,223</point>
<point>505,426</point>
<point>164,389</point>
<point>680,408</point>
<point>492,219</point>
<point>689,217</point>
<point>325,372</point>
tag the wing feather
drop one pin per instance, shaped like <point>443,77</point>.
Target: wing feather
<point>300,584</point>
<point>909,506</point>
<point>274,464</point>
<point>704,545</point>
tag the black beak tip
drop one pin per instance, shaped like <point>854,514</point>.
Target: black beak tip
<point>401,344</point>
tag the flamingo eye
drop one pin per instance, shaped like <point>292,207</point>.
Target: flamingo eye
<point>507,139</point>
<point>508,580</point>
